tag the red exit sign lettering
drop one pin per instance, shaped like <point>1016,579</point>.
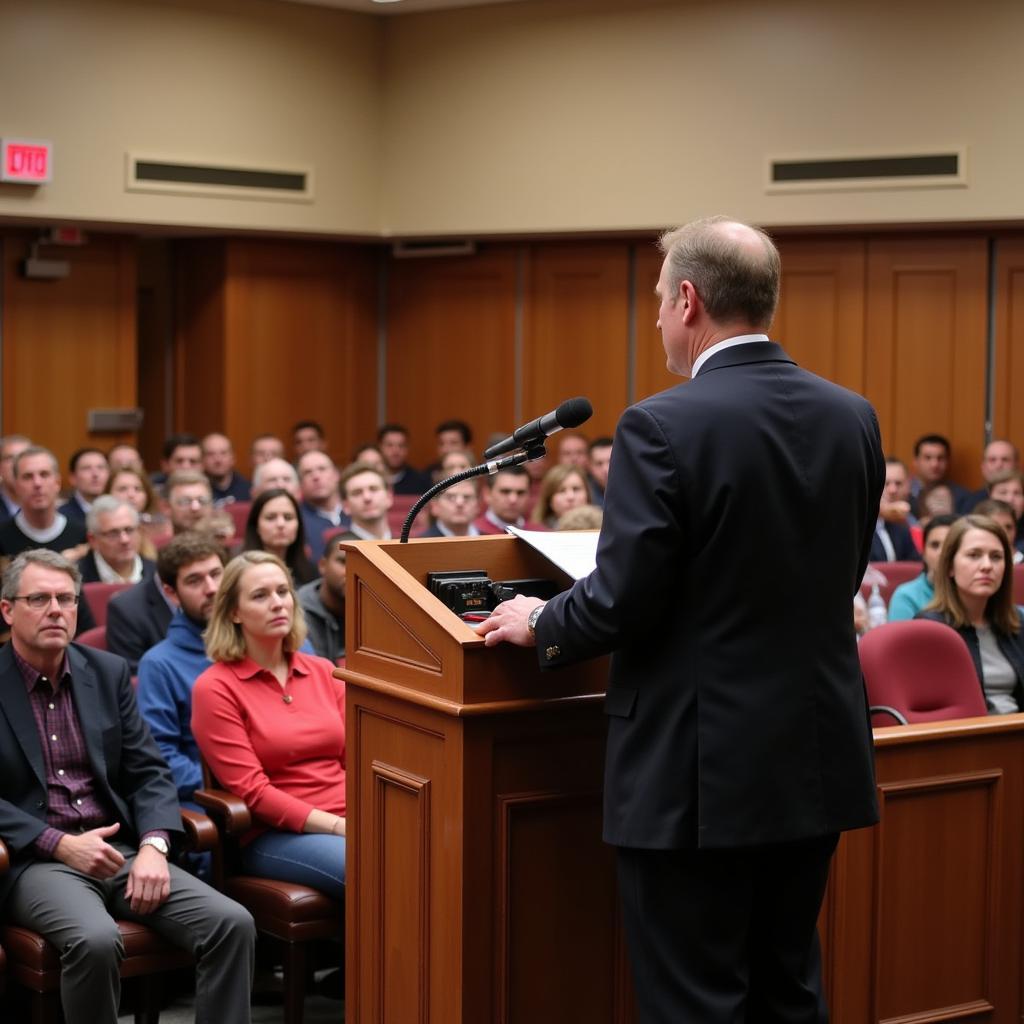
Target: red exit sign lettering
<point>26,161</point>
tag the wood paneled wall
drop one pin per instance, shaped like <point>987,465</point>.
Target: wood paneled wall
<point>271,332</point>
<point>68,344</point>
<point>577,330</point>
<point>267,332</point>
<point>904,322</point>
<point>451,344</point>
<point>1008,416</point>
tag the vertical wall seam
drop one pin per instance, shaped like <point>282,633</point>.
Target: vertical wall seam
<point>631,327</point>
<point>382,338</point>
<point>518,343</point>
<point>990,340</point>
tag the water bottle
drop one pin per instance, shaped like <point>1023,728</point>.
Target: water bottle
<point>877,614</point>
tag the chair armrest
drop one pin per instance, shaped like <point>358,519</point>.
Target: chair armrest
<point>200,832</point>
<point>229,810</point>
<point>5,857</point>
<point>884,709</point>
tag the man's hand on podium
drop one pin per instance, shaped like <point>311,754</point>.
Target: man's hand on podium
<point>507,623</point>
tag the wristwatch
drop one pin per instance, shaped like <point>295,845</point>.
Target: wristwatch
<point>158,843</point>
<point>531,622</point>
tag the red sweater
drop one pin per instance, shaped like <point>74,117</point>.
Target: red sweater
<point>282,758</point>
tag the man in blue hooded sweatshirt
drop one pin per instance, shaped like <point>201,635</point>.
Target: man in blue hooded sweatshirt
<point>190,567</point>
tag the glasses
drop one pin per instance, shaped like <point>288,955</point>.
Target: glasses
<point>37,602</point>
<point>184,502</point>
<point>117,532</point>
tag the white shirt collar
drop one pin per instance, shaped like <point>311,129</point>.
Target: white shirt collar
<point>474,530</point>
<point>363,534</point>
<point>721,346</point>
<point>491,516</point>
<point>108,574</point>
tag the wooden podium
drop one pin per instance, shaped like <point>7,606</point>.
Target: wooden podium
<point>478,886</point>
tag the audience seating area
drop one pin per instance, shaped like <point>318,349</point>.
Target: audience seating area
<point>295,916</point>
<point>35,965</point>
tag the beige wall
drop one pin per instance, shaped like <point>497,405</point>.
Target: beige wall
<point>583,114</point>
<point>532,117</point>
<point>249,81</point>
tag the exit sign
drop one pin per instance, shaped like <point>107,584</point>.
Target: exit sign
<point>26,161</point>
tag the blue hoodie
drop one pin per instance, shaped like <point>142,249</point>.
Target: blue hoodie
<point>167,673</point>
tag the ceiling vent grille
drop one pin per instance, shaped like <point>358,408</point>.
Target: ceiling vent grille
<point>189,178</point>
<point>939,169</point>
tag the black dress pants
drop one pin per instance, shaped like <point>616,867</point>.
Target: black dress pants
<point>726,936</point>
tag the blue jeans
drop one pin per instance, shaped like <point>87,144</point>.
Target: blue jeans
<point>305,858</point>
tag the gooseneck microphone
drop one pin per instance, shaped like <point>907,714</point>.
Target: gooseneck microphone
<point>571,413</point>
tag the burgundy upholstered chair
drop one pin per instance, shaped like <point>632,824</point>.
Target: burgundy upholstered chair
<point>919,671</point>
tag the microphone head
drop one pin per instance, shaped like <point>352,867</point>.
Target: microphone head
<point>573,411</point>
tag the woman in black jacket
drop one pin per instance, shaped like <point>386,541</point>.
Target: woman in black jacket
<point>974,595</point>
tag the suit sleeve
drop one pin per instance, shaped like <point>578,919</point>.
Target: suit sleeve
<point>123,637</point>
<point>641,536</point>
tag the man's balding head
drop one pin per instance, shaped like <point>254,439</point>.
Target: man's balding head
<point>733,267</point>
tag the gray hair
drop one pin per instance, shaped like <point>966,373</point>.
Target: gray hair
<point>737,283</point>
<point>261,471</point>
<point>36,556</point>
<point>35,449</point>
<point>104,505</point>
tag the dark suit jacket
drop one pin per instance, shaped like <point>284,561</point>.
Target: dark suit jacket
<point>131,775</point>
<point>90,574</point>
<point>73,511</point>
<point>902,544</point>
<point>137,619</point>
<point>737,523</point>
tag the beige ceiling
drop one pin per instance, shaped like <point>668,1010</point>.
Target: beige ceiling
<point>399,6</point>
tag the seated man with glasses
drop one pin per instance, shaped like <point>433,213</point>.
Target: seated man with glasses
<point>189,500</point>
<point>89,812</point>
<point>112,528</point>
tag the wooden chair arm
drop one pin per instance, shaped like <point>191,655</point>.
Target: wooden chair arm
<point>230,812</point>
<point>5,857</point>
<point>200,831</point>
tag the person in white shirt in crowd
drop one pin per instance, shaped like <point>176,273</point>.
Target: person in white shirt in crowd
<point>112,529</point>
<point>507,495</point>
<point>366,498</point>
<point>454,510</point>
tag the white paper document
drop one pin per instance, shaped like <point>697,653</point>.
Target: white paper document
<point>573,551</point>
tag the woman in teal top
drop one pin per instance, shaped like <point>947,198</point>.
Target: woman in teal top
<point>909,598</point>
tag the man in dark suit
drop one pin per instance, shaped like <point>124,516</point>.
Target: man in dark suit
<point>112,529</point>
<point>88,475</point>
<point>137,619</point>
<point>737,523</point>
<point>88,811</point>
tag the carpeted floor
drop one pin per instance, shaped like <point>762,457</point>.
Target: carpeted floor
<point>318,1011</point>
